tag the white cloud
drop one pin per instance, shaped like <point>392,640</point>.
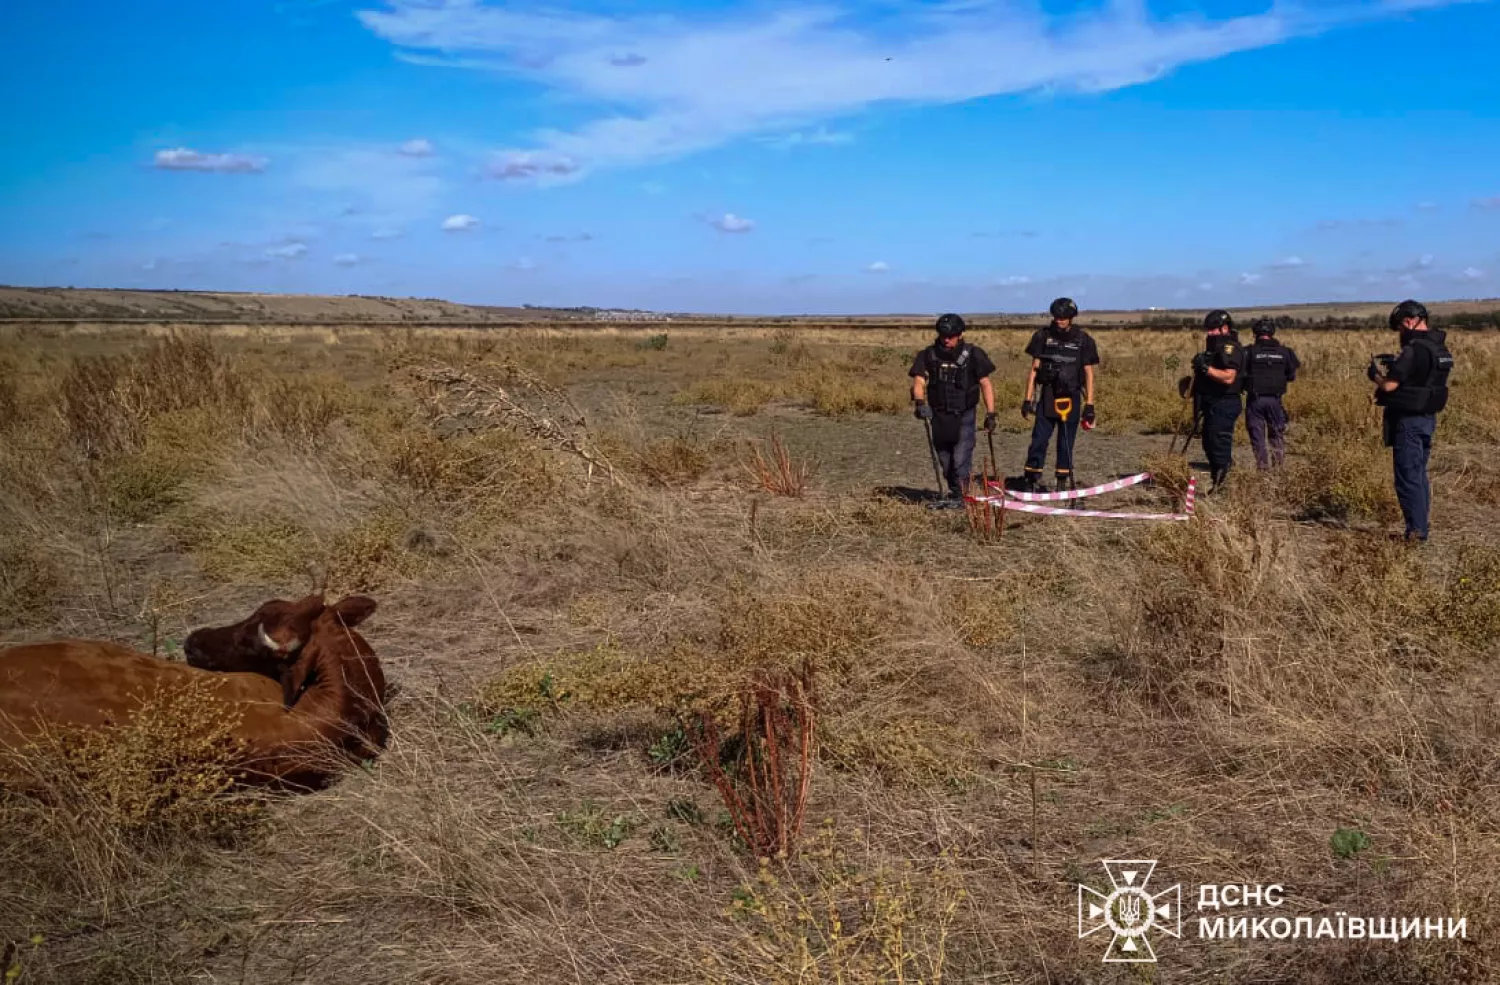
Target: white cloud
<point>459,223</point>
<point>1425,260</point>
<point>715,77</point>
<point>1428,206</point>
<point>524,263</point>
<point>348,259</point>
<point>1013,281</point>
<point>1290,263</point>
<point>290,251</point>
<point>183,159</point>
<point>820,136</point>
<point>417,148</point>
<point>518,165</point>
<point>1205,287</point>
<point>386,232</point>
<point>731,223</point>
<point>1249,279</point>
<point>149,265</point>
<point>1473,273</point>
<point>878,267</point>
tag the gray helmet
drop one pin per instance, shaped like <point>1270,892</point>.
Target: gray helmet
<point>1217,319</point>
<point>1407,309</point>
<point>1063,308</point>
<point>950,326</point>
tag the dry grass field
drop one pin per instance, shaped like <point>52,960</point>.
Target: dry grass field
<point>574,615</point>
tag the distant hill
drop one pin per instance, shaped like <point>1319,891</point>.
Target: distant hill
<point>53,304</point>
<point>85,304</point>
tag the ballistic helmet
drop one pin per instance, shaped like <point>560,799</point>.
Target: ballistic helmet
<point>1217,319</point>
<point>1064,308</point>
<point>1407,309</point>
<point>1263,326</point>
<point>950,326</point>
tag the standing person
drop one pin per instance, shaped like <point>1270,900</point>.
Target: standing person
<point>1412,390</point>
<point>953,375</point>
<point>1218,380</point>
<point>1061,379</point>
<point>1269,367</point>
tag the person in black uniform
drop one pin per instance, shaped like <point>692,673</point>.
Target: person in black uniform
<point>1269,367</point>
<point>948,379</point>
<point>1059,392</point>
<point>1217,383</point>
<point>1412,387</point>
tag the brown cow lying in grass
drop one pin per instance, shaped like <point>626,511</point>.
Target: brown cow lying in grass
<point>338,690</point>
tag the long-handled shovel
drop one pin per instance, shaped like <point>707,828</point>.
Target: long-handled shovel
<point>937,472</point>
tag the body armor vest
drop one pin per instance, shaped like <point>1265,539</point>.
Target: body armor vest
<point>1268,370</point>
<point>951,386</point>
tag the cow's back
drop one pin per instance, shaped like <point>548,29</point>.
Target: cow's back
<point>91,683</point>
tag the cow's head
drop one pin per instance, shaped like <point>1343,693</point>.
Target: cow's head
<point>267,642</point>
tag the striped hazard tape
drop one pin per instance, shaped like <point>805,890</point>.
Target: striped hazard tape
<point>1025,497</point>
<point>1006,503</point>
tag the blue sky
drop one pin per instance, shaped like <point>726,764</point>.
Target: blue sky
<point>859,156</point>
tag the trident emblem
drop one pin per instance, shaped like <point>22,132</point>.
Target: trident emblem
<point>1129,911</point>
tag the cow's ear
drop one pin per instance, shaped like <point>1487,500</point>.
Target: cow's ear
<point>353,610</point>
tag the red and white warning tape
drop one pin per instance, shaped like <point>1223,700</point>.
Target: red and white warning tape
<point>1005,502</point>
<point>1025,497</point>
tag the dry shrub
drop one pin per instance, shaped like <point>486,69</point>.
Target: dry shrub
<point>232,547</point>
<point>852,924</point>
<point>765,789</point>
<point>496,471</point>
<point>741,397</point>
<point>301,410</point>
<point>108,401</point>
<point>1470,607</point>
<point>1342,482</point>
<point>842,394</point>
<point>1169,473</point>
<point>30,585</point>
<point>167,771</point>
<point>373,552</point>
<point>780,474</point>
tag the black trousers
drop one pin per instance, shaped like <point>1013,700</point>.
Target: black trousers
<point>1219,417</point>
<point>1042,429</point>
<point>953,436</point>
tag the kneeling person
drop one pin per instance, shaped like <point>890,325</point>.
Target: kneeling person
<point>948,378</point>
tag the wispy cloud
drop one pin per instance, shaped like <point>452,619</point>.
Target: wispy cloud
<point>878,267</point>
<point>516,165</point>
<point>1473,273</point>
<point>183,159</point>
<point>717,77</point>
<point>731,223</point>
<point>459,223</point>
<point>811,138</point>
<point>417,148</point>
<point>575,238</point>
<point>1249,280</point>
<point>1289,263</point>
<point>348,259</point>
<point>1016,280</point>
<point>291,251</point>
<point>386,232</point>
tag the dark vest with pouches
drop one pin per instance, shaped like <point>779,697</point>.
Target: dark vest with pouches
<point>952,387</point>
<point>1061,371</point>
<point>1429,394</point>
<point>1269,366</point>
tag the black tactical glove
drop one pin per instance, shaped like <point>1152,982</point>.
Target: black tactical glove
<point>1028,407</point>
<point>989,421</point>
<point>1200,362</point>
<point>1088,417</point>
<point>924,412</point>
